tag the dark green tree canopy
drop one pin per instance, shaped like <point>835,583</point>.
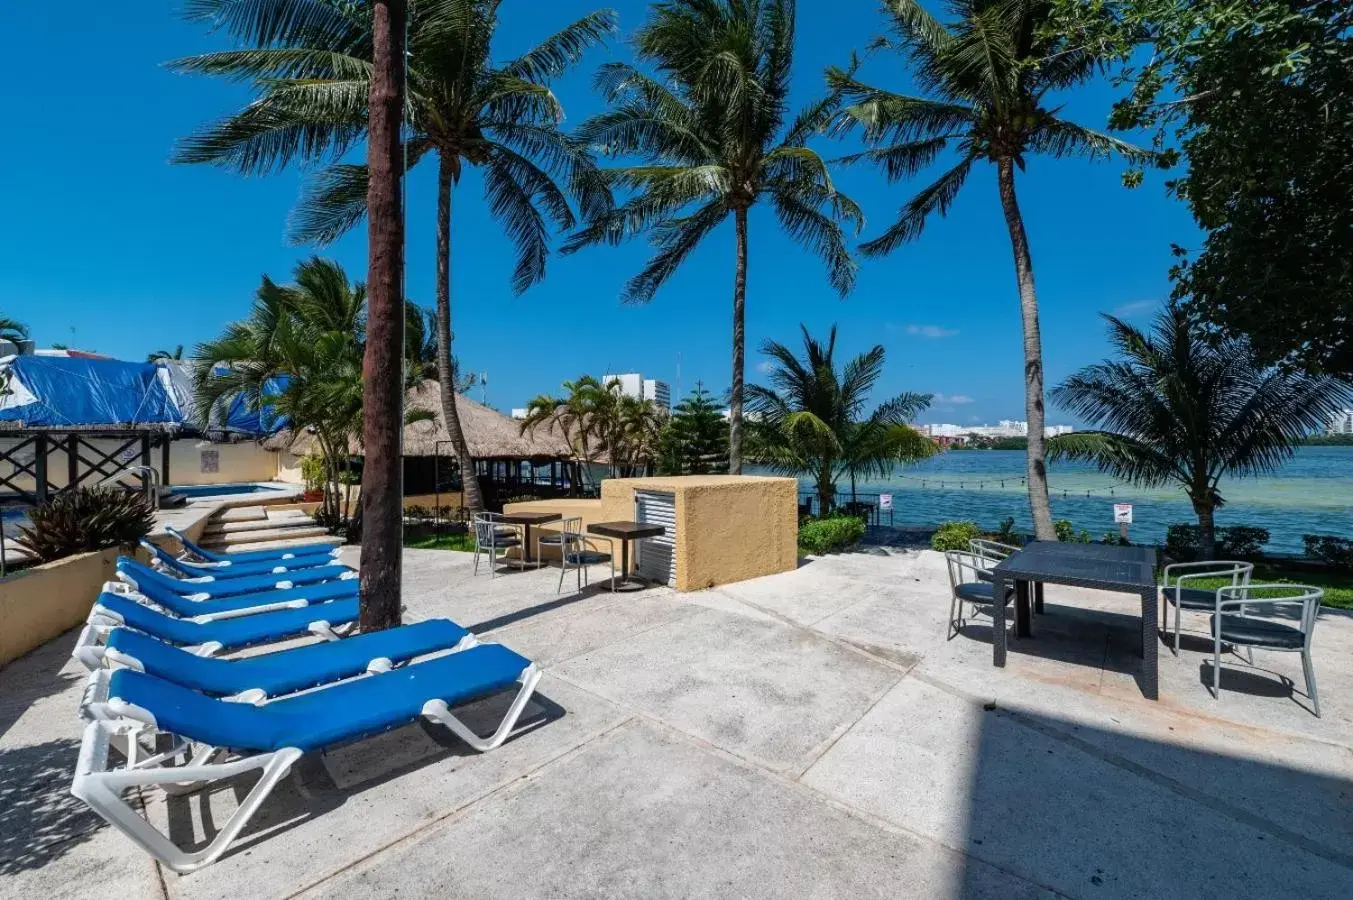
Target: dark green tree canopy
<point>695,441</point>
<point>1258,96</point>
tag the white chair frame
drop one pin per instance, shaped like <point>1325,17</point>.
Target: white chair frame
<point>956,561</point>
<point>577,538</point>
<point>1239,572</point>
<point>489,529</point>
<point>549,536</point>
<point>1307,597</point>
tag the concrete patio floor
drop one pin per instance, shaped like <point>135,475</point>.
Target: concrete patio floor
<point>810,734</point>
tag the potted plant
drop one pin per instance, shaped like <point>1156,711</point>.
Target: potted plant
<point>312,472</point>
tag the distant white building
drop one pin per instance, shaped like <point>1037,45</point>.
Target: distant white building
<point>1341,422</point>
<point>633,384</point>
<point>518,413</point>
<point>1006,428</point>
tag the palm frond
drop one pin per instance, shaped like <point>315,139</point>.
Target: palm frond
<point>675,240</point>
<point>938,197</point>
<point>554,55</point>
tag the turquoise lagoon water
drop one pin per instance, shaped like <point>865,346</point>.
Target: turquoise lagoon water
<point>1311,494</point>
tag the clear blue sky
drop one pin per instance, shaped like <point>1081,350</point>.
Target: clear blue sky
<point>107,246</point>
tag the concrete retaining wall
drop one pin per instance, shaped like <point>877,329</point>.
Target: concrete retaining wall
<point>38,604</point>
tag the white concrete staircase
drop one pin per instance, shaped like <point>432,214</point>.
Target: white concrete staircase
<point>260,528</point>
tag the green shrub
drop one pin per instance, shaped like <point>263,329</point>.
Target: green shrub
<point>1329,548</point>
<point>1007,533</point>
<point>1183,542</point>
<point>829,534</point>
<point>312,472</point>
<point>86,519</point>
<point>1067,533</point>
<point>1113,537</point>
<point>954,536</point>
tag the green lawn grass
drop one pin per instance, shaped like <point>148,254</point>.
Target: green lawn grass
<point>1338,585</point>
<point>463,541</point>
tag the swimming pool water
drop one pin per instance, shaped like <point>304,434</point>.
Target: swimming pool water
<point>219,490</point>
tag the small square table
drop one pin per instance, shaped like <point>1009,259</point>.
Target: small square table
<point>526,520</point>
<point>626,532</point>
<point>1129,570</point>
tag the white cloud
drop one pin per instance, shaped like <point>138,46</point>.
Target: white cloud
<point>764,366</point>
<point>931,331</point>
<point>1133,308</point>
<point>953,399</point>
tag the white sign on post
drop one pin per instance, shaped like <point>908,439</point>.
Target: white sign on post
<point>1122,513</point>
<point>885,501</point>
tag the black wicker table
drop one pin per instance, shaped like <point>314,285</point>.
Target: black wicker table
<point>626,532</point>
<point>1105,567</point>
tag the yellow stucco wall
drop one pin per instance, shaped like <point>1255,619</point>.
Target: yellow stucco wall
<point>40,603</point>
<point>729,527</point>
<point>234,463</point>
<point>589,511</point>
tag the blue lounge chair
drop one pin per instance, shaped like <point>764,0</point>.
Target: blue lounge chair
<point>254,678</point>
<point>165,561</point>
<point>137,575</point>
<point>249,556</point>
<point>207,638</point>
<point>182,607</point>
<point>126,707</point>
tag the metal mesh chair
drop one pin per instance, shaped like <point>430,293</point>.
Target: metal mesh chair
<point>490,536</point>
<point>576,550</point>
<point>1269,628</point>
<point>553,538</point>
<point>976,590</point>
<point>1181,596</point>
<point>993,551</point>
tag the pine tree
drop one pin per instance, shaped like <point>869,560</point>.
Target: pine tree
<point>695,441</point>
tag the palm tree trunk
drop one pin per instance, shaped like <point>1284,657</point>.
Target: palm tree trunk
<point>1207,529</point>
<point>383,376</point>
<point>448,173</point>
<point>739,340</point>
<point>1033,355</point>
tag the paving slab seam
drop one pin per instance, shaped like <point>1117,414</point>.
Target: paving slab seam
<point>1215,804</point>
<point>831,742</point>
<point>792,783</point>
<point>501,787</point>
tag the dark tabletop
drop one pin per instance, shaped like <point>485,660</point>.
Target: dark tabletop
<point>529,518</point>
<point>626,531</point>
<point>1088,565</point>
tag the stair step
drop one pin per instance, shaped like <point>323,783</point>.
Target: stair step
<point>280,544</point>
<point>242,514</point>
<point>218,528</point>
<point>232,540</point>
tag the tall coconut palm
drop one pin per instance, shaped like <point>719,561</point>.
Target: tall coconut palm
<point>812,419</point>
<point>1185,407</point>
<point>710,128</point>
<point>310,63</point>
<point>987,77</point>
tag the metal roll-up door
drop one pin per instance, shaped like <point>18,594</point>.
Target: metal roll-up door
<point>657,556</point>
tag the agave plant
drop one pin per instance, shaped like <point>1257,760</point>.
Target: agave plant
<point>84,520</point>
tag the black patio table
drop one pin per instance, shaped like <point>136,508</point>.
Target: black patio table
<point>1105,567</point>
<point>526,520</point>
<point>626,532</point>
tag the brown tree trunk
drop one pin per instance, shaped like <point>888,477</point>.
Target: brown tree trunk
<point>739,340</point>
<point>1207,529</point>
<point>1033,355</point>
<point>383,376</point>
<point>448,173</point>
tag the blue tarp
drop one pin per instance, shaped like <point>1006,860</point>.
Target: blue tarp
<point>74,392</point>
<point>70,392</point>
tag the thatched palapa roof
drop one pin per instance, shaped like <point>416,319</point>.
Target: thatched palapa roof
<point>489,433</point>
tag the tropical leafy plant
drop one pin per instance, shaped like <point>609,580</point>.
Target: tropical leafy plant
<point>1331,549</point>
<point>310,66</point>
<point>695,439</point>
<point>86,519</point>
<point>1186,407</point>
<point>12,329</point>
<point>711,129</point>
<point>175,354</point>
<point>830,534</point>
<point>1184,542</point>
<point>813,419</point>
<point>1066,532</point>
<point>601,421</point>
<point>954,536</point>
<point>987,80</point>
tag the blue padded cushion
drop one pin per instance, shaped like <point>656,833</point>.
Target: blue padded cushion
<point>340,712</point>
<point>180,605</point>
<point>241,570</point>
<point>1259,632</point>
<point>232,633</point>
<point>227,587</point>
<point>981,592</point>
<point>253,555</point>
<point>286,671</point>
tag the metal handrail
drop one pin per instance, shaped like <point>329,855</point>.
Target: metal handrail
<point>150,478</point>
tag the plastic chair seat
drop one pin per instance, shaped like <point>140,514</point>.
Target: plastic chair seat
<point>588,558</point>
<point>1193,598</point>
<point>980,592</point>
<point>1252,632</point>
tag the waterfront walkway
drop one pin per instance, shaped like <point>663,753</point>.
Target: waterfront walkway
<point>810,734</point>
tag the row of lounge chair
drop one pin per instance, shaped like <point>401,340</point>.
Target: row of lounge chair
<point>163,708</point>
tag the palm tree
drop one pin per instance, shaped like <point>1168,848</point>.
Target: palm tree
<point>988,76</point>
<point>311,66</point>
<point>812,420</point>
<point>1186,407</point>
<point>710,128</point>
<point>175,355</point>
<point>300,351</point>
<point>12,330</point>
